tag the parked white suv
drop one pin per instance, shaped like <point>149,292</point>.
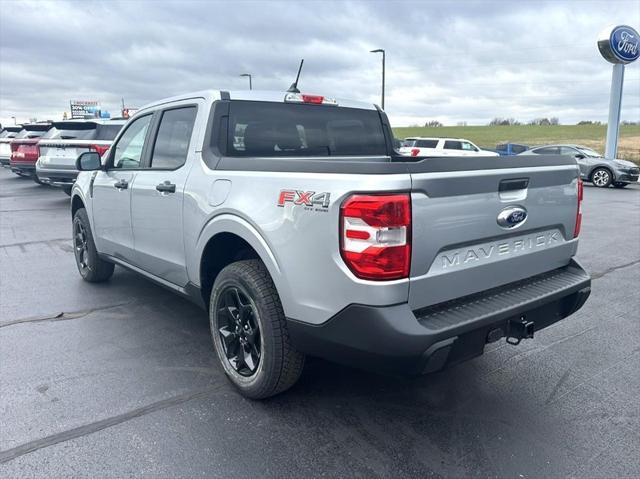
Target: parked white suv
<point>419,146</point>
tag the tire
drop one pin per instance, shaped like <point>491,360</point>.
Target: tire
<point>256,352</point>
<point>601,177</point>
<point>90,266</point>
<point>618,184</point>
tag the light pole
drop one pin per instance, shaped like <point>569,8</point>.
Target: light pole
<point>380,50</point>
<point>248,75</point>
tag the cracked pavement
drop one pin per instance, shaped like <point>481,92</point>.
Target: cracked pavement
<point>120,380</point>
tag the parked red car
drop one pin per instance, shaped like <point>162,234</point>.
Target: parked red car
<point>24,148</point>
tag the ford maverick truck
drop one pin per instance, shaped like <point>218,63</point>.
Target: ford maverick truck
<point>293,221</point>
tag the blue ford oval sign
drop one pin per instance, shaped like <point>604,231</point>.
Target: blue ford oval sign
<point>512,217</point>
<point>619,44</point>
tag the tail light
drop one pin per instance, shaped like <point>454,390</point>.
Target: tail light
<point>415,152</point>
<point>576,231</point>
<point>375,236</point>
<point>25,152</point>
<point>101,149</point>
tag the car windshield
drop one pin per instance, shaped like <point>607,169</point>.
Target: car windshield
<point>589,152</point>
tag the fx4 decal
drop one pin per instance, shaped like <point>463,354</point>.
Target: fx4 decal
<point>309,199</point>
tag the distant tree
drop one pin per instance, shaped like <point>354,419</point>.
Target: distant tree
<point>433,124</point>
<point>503,122</point>
<point>628,122</point>
<point>589,122</point>
<point>554,120</point>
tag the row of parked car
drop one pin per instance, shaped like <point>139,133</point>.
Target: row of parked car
<point>594,167</point>
<point>47,151</point>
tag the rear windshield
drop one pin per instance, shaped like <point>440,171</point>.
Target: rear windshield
<point>107,132</point>
<point>7,134</point>
<point>281,129</point>
<point>30,134</point>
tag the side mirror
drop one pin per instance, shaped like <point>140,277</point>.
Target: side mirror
<point>89,161</point>
<point>579,156</point>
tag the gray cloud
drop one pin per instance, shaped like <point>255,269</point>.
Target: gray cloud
<point>452,61</point>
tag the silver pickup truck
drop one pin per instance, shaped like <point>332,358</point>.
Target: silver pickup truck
<point>294,222</point>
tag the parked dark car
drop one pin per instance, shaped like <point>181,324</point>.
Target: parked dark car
<point>594,167</point>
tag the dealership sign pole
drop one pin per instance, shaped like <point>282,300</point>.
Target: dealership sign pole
<point>619,45</point>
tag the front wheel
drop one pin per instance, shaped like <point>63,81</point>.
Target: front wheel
<point>250,333</point>
<point>619,184</point>
<point>90,266</point>
<point>601,177</point>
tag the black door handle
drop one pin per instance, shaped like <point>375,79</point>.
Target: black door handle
<point>121,184</point>
<point>166,187</point>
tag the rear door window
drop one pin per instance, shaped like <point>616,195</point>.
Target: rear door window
<point>268,129</point>
<point>172,140</point>
<point>426,143</point>
<point>452,145</point>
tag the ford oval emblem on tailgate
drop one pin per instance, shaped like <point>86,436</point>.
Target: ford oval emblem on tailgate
<point>512,217</point>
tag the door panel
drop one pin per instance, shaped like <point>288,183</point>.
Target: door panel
<point>112,192</point>
<point>157,198</point>
<point>112,213</point>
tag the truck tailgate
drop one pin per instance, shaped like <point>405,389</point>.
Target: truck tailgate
<point>458,247</point>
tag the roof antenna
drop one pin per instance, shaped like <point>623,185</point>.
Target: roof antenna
<point>294,86</point>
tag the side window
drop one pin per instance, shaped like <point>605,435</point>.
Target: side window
<point>128,150</point>
<point>468,146</point>
<point>549,150</point>
<point>426,143</point>
<point>172,141</point>
<point>452,145</point>
<point>565,150</point>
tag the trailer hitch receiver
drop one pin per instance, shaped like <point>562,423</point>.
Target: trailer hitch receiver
<point>519,329</point>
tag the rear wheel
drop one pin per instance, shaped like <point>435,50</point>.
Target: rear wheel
<point>601,177</point>
<point>250,332</point>
<point>619,184</point>
<point>90,266</point>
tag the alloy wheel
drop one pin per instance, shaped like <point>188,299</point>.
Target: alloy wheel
<point>601,178</point>
<point>238,327</point>
<point>81,247</point>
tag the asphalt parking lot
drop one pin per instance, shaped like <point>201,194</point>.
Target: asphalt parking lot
<point>120,380</point>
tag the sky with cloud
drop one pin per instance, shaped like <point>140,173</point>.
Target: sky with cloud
<point>449,61</point>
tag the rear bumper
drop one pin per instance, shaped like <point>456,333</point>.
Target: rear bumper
<point>56,176</point>
<point>396,340</point>
<point>28,169</point>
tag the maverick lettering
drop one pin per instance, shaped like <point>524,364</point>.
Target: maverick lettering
<point>491,251</point>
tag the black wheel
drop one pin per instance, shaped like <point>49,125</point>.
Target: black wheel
<point>90,266</point>
<point>618,184</point>
<point>250,332</point>
<point>601,177</point>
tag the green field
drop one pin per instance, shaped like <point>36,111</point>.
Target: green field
<point>489,136</point>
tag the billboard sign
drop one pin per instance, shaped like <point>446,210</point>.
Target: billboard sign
<point>84,108</point>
